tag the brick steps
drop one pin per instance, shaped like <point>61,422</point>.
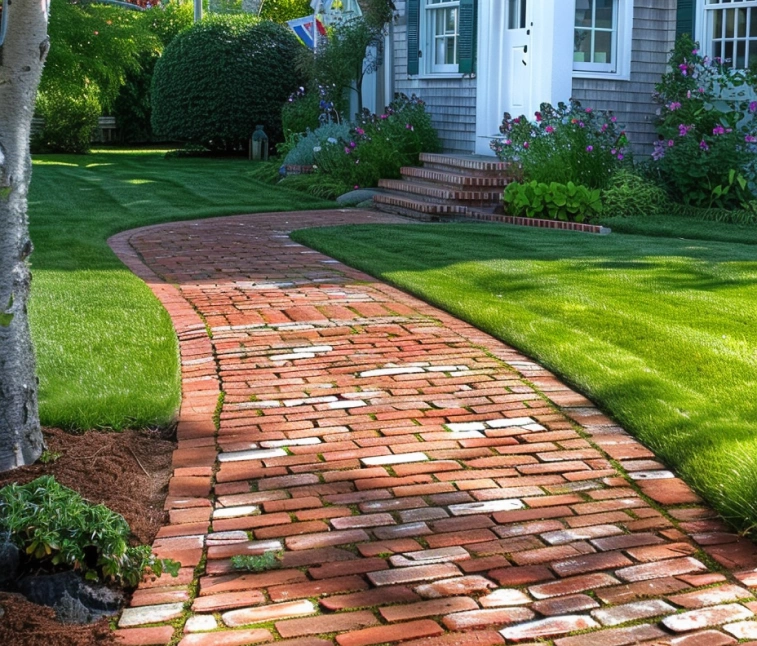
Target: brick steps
<point>429,192</point>
<point>446,186</point>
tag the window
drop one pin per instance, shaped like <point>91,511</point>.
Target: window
<point>731,31</point>
<point>596,36</point>
<point>516,14</point>
<point>441,29</point>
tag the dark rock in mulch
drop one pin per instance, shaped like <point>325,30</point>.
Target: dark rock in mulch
<point>74,600</point>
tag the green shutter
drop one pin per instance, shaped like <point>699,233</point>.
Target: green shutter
<point>413,35</point>
<point>466,38</point>
<point>685,20</point>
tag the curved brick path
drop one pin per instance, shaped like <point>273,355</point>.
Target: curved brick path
<point>426,483</point>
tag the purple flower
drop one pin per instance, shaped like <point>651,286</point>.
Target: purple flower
<point>753,107</point>
<point>703,145</point>
<point>589,149</point>
<point>750,139</point>
<point>695,51</point>
<point>581,124</point>
<point>613,119</point>
<point>620,157</point>
<point>718,130</point>
<point>347,151</point>
<point>658,153</point>
<point>384,116</point>
<point>526,145</point>
<point>684,69</point>
<point>352,144</point>
<point>683,130</point>
<point>674,106</point>
<point>360,131</point>
<point>671,143</point>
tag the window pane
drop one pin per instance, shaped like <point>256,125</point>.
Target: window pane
<point>717,24</point>
<point>583,13</point>
<point>451,20</point>
<point>603,47</point>
<point>740,61</point>
<point>741,22</point>
<point>523,13</point>
<point>450,52</point>
<point>752,23</point>
<point>582,46</point>
<point>729,16</point>
<point>604,14</point>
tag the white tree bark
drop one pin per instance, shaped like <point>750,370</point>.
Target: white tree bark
<point>22,56</point>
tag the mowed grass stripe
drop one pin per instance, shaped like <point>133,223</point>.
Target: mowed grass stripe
<point>106,351</point>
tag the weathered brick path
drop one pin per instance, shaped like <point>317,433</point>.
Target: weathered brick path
<point>426,483</point>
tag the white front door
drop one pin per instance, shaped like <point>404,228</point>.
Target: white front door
<point>504,66</point>
<point>516,67</point>
<point>524,58</point>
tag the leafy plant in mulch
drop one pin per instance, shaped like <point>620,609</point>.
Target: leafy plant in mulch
<point>56,529</point>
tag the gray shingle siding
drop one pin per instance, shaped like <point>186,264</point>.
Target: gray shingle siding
<point>450,101</point>
<point>654,26</point>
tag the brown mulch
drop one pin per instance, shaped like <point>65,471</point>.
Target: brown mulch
<point>103,468</point>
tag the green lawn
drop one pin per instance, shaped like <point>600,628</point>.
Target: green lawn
<point>659,332</point>
<point>106,351</point>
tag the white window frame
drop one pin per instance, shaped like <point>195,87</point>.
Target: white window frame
<point>428,38</point>
<point>621,69</point>
<point>706,10</point>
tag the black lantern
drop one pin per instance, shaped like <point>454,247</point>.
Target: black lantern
<point>259,145</point>
<point>3,19</point>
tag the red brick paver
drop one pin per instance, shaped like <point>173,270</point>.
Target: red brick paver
<point>421,481</point>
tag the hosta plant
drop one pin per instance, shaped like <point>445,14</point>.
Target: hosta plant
<point>553,201</point>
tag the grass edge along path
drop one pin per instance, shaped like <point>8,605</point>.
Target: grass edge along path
<point>106,350</point>
<point>657,331</point>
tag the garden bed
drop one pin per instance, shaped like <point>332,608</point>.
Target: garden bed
<point>128,472</point>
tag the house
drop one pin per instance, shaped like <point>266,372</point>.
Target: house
<point>473,60</point>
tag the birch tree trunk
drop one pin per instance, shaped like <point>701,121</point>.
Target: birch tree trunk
<point>22,56</point>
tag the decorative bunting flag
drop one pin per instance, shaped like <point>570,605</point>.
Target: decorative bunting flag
<point>303,29</point>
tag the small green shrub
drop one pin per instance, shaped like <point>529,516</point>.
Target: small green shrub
<point>743,216</point>
<point>301,112</point>
<point>630,195</point>
<point>220,78</point>
<point>55,526</point>
<point>257,562</point>
<point>567,143</point>
<point>68,121</point>
<point>554,201</point>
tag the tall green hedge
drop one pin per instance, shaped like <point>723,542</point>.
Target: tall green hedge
<point>219,79</point>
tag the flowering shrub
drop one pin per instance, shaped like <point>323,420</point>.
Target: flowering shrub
<point>554,201</point>
<point>568,143</point>
<point>706,152</point>
<point>379,145</point>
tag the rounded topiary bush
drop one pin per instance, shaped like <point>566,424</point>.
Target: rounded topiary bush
<point>219,79</point>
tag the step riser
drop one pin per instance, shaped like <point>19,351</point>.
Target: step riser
<point>429,193</point>
<point>415,215</point>
<point>430,208</point>
<point>445,168</point>
<point>453,180</point>
<point>464,164</point>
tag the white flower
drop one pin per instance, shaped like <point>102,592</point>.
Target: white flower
<point>331,140</point>
<point>316,149</point>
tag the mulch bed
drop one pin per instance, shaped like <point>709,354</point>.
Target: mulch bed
<point>107,468</point>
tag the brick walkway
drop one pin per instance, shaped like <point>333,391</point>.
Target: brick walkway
<point>425,483</point>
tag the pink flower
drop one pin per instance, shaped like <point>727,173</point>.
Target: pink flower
<point>526,145</point>
<point>613,119</point>
<point>347,151</point>
<point>538,116</point>
<point>674,106</point>
<point>671,143</point>
<point>695,51</point>
<point>360,131</point>
<point>718,130</point>
<point>613,151</point>
<point>384,116</point>
<point>700,90</point>
<point>688,94</point>
<point>352,144</point>
<point>357,186</point>
<point>589,110</point>
<point>549,130</point>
